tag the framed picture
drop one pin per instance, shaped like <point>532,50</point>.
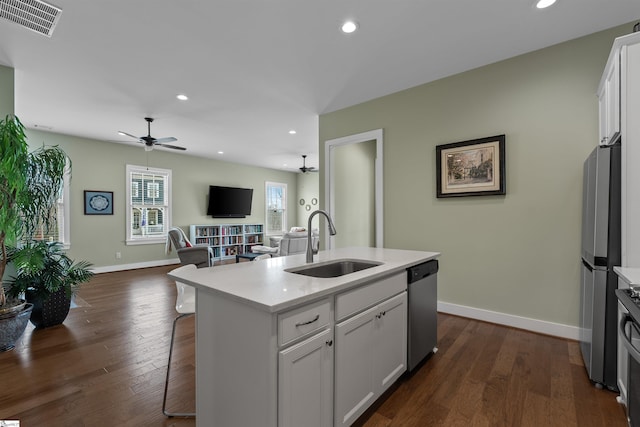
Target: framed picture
<point>98,202</point>
<point>471,168</point>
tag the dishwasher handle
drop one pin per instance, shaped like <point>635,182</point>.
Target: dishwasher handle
<point>420,271</point>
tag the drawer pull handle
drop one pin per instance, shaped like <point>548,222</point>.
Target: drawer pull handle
<point>315,319</point>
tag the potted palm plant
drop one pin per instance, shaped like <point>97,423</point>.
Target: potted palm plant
<point>48,278</point>
<point>29,187</point>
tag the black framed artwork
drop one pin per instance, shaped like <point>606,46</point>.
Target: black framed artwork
<point>98,202</point>
<point>471,168</point>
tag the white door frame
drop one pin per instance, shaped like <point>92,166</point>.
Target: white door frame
<point>329,182</point>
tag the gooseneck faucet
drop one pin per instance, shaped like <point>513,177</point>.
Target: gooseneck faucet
<point>311,250</point>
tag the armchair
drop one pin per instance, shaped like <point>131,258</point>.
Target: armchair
<point>200,255</point>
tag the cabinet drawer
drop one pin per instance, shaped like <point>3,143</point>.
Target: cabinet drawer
<point>358,299</point>
<point>302,321</point>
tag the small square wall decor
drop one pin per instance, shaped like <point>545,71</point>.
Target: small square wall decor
<point>98,202</point>
<point>471,168</point>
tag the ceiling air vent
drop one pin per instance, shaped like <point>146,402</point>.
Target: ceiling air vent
<point>35,15</point>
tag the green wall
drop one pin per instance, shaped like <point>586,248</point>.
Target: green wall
<point>517,254</point>
<point>354,198</point>
<point>99,165</point>
<point>6,91</point>
<point>307,191</point>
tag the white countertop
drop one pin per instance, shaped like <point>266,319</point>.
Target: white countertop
<point>628,274</point>
<point>265,285</point>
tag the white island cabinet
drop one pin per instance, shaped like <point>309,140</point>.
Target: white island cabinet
<point>269,343</point>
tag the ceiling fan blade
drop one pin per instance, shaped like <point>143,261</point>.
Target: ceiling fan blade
<point>167,139</point>
<point>175,147</point>
<point>129,135</point>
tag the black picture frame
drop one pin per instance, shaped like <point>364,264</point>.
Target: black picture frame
<point>98,202</point>
<point>471,168</point>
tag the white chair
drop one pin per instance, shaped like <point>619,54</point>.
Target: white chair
<point>185,306</point>
<point>263,256</point>
<point>292,242</point>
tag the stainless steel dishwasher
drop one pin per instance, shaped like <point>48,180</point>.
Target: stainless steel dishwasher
<point>422,316</point>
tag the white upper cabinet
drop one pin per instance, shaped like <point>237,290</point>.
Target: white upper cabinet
<point>609,102</point>
<point>626,53</point>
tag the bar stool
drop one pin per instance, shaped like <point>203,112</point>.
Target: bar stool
<point>185,306</point>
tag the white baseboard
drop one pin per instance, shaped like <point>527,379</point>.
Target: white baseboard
<point>534,325</point>
<point>134,266</point>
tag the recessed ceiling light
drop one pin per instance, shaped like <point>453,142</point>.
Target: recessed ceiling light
<point>349,27</point>
<point>541,4</point>
<point>182,97</point>
<point>292,132</point>
<point>220,152</point>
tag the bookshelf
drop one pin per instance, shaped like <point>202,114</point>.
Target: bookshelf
<point>227,240</point>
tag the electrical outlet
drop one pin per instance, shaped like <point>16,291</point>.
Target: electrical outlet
<point>118,255</point>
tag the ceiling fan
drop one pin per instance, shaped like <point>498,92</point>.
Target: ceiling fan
<point>304,167</point>
<point>149,141</point>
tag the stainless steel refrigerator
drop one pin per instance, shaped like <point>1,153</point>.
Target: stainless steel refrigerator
<point>601,250</point>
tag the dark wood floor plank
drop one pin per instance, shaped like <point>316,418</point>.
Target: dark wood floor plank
<point>107,364</point>
<point>534,380</point>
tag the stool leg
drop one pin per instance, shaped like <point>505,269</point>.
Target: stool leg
<point>166,383</point>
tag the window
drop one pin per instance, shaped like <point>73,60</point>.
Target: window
<point>276,207</point>
<point>148,204</point>
<point>153,190</point>
<point>60,230</point>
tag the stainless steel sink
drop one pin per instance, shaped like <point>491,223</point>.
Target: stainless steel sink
<point>336,268</point>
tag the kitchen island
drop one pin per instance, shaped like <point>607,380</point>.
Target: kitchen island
<point>267,338</point>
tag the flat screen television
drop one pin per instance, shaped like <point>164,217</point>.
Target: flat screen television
<point>229,202</point>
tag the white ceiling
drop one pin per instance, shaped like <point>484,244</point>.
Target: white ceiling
<point>254,69</point>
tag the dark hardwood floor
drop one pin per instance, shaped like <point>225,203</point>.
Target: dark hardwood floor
<point>106,367</point>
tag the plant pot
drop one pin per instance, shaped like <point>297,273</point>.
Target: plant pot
<point>12,310</point>
<point>12,328</point>
<point>49,312</point>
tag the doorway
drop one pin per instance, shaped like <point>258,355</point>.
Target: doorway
<point>353,190</point>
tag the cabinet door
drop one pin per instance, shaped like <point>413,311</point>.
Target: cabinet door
<point>602,115</point>
<point>391,341</point>
<point>355,388</point>
<point>613,101</point>
<point>305,387</point>
<point>609,104</point>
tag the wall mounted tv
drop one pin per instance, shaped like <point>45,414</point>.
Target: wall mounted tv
<point>229,202</point>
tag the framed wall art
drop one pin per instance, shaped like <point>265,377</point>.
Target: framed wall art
<point>98,202</point>
<point>471,168</point>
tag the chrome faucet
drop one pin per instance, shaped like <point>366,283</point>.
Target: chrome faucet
<point>313,249</point>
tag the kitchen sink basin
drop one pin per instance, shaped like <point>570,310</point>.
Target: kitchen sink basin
<point>335,268</point>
